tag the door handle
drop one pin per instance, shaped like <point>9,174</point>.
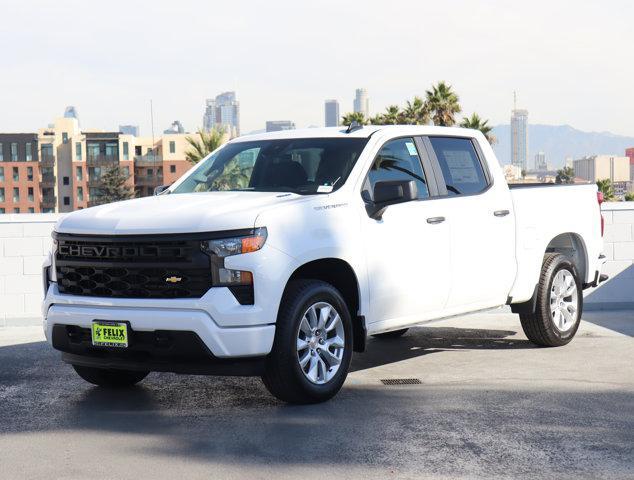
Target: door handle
<point>435,220</point>
<point>501,213</point>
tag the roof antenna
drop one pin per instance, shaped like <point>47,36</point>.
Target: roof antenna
<point>354,125</point>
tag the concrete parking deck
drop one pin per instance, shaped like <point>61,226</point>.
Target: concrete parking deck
<point>489,405</point>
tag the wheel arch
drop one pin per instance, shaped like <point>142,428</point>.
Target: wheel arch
<point>340,274</point>
<point>571,245</point>
<point>568,244</point>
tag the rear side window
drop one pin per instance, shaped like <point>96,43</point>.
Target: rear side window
<point>460,165</point>
<point>398,160</point>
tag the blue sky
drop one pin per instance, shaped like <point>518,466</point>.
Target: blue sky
<point>570,62</point>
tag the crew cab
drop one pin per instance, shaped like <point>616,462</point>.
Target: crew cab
<point>279,253</point>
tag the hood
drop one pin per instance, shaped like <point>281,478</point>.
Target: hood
<point>174,213</point>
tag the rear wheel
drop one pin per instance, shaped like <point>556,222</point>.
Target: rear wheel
<point>559,304</point>
<point>392,334</point>
<point>110,378</point>
<point>313,344</point>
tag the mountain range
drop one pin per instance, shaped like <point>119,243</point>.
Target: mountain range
<point>559,142</point>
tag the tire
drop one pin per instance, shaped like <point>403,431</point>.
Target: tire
<point>110,378</point>
<point>285,377</point>
<point>392,334</point>
<point>549,327</point>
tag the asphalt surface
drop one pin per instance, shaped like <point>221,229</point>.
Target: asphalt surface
<point>490,405</point>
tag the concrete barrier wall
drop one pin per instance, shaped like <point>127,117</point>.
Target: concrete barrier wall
<point>26,238</point>
<point>618,247</point>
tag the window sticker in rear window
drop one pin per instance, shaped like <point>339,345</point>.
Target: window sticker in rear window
<point>461,166</point>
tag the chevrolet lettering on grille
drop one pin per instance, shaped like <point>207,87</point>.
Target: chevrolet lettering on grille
<point>104,251</point>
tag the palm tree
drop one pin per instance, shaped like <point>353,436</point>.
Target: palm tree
<point>565,175</point>
<point>477,123</point>
<point>391,116</point>
<point>416,112</point>
<point>605,187</point>
<point>444,103</point>
<point>208,142</point>
<point>350,117</point>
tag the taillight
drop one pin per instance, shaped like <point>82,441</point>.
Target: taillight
<point>600,201</point>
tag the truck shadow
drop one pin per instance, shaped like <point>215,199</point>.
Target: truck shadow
<point>418,341</point>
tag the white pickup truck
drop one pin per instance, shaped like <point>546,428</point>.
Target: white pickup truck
<point>279,253</point>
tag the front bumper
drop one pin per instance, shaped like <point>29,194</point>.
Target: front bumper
<point>157,351</point>
<point>248,341</point>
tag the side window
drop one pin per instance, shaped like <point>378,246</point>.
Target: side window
<point>460,165</point>
<point>398,160</point>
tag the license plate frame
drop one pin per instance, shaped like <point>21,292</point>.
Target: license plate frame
<point>110,334</point>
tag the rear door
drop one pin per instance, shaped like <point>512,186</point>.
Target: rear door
<point>408,249</point>
<point>482,228</point>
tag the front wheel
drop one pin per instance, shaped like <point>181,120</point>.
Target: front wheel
<point>559,304</point>
<point>110,378</point>
<point>313,344</point>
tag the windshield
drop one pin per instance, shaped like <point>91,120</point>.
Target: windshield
<point>298,165</point>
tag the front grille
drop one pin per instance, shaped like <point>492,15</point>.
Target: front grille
<point>146,267</point>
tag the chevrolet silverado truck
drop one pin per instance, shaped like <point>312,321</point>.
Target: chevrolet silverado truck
<point>279,253</point>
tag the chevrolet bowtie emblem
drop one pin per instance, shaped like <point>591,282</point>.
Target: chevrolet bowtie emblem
<point>173,279</point>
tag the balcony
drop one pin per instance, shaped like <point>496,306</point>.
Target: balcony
<point>147,160</point>
<point>95,182</point>
<point>148,180</point>
<point>49,201</point>
<point>47,160</point>
<point>48,179</point>
<point>102,160</point>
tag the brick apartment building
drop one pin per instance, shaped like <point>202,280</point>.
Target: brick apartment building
<point>59,168</point>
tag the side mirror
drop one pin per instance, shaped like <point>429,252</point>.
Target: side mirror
<point>389,193</point>
<point>160,189</point>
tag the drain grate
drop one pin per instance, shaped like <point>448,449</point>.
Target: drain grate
<point>401,381</point>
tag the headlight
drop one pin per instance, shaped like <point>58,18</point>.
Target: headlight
<point>219,249</point>
<point>225,247</point>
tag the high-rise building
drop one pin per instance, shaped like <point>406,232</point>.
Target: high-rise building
<point>519,137</point>
<point>278,125</point>
<point>361,102</point>
<point>71,112</point>
<point>331,113</point>
<point>629,152</point>
<point>224,112</point>
<point>175,128</point>
<point>540,161</point>
<point>129,130</point>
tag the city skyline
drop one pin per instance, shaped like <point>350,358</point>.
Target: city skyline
<point>562,80</point>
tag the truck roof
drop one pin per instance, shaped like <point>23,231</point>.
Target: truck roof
<point>363,132</point>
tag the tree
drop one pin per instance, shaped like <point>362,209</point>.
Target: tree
<point>443,103</point>
<point>392,115</point>
<point>565,175</point>
<point>350,117</point>
<point>476,123</point>
<point>113,186</point>
<point>208,142</point>
<point>416,112</point>
<point>605,187</point>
